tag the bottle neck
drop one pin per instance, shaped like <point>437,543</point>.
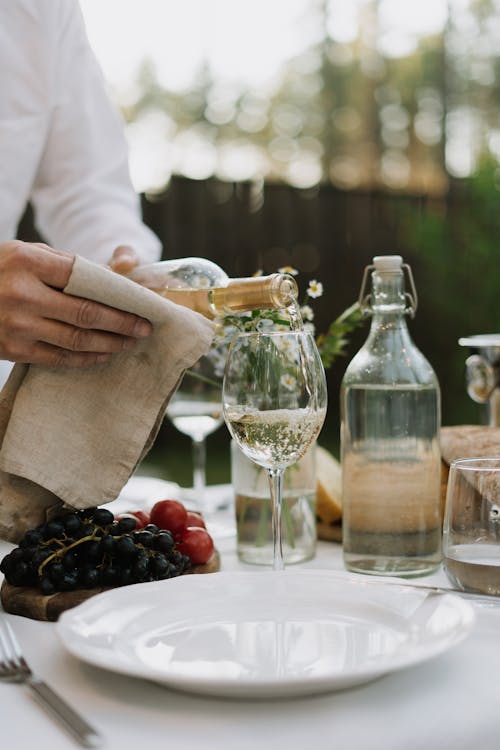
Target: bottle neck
<point>388,301</point>
<point>256,293</point>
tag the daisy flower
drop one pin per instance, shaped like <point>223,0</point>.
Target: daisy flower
<point>288,381</point>
<point>315,289</point>
<point>265,324</point>
<point>288,269</point>
<point>307,312</point>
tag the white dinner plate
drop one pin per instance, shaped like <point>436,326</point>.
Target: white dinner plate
<point>263,634</point>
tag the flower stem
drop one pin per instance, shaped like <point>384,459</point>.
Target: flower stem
<point>203,378</point>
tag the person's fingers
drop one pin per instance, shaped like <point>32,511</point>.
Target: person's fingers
<point>84,313</point>
<point>55,269</point>
<point>123,260</point>
<point>41,324</point>
<point>74,339</point>
<point>50,266</point>
<point>52,250</point>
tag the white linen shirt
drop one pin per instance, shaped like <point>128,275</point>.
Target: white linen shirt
<point>62,145</point>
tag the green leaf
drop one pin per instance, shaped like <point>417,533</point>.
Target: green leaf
<point>333,343</point>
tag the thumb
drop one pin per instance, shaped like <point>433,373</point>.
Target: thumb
<point>123,260</point>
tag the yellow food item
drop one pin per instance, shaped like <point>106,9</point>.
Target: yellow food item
<point>329,487</point>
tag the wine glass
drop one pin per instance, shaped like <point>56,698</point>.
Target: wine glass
<point>196,410</point>
<point>274,403</point>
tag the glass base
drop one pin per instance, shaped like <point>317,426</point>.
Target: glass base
<point>264,555</point>
<point>392,566</point>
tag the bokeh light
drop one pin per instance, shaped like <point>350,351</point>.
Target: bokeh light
<point>356,93</point>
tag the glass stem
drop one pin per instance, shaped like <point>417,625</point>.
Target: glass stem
<point>199,471</point>
<point>276,485</point>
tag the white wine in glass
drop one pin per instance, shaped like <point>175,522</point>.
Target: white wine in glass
<point>274,401</point>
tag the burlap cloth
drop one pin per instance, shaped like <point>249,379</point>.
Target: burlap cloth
<point>74,436</point>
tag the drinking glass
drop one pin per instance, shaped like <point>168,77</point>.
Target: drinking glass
<point>274,402</point>
<point>471,531</point>
<point>253,510</point>
<point>196,410</point>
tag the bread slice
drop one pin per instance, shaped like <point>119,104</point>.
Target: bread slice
<point>469,441</point>
<point>466,441</point>
<point>329,487</point>
<point>329,495</point>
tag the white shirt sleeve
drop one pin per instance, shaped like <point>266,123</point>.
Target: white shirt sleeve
<point>82,195</point>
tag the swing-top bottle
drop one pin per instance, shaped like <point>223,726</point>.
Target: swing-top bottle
<point>390,419</point>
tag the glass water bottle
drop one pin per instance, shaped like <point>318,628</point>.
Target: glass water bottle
<point>390,419</point>
<point>202,286</point>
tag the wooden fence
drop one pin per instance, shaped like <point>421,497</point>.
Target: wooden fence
<point>330,235</point>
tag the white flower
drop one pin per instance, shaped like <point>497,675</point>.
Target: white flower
<point>265,324</point>
<point>307,312</point>
<point>288,269</point>
<point>315,289</point>
<point>288,381</point>
<point>284,345</point>
<point>310,328</point>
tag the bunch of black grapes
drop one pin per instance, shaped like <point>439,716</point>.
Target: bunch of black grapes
<point>89,548</point>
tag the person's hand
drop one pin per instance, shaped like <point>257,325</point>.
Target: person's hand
<point>41,325</point>
<point>123,260</point>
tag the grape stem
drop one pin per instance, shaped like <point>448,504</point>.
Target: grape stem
<point>59,552</point>
<point>89,538</point>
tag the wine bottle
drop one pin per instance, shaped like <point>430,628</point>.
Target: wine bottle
<point>203,286</point>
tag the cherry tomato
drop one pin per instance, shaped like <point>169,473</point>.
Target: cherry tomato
<point>170,515</point>
<point>195,519</point>
<point>197,544</point>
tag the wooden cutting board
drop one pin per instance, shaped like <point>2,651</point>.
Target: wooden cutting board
<point>30,602</point>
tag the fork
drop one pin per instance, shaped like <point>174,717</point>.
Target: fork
<point>14,668</point>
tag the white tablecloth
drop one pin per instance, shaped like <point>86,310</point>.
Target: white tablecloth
<point>449,703</point>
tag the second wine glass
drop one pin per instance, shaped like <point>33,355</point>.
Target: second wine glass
<point>274,402</point>
<point>196,410</point>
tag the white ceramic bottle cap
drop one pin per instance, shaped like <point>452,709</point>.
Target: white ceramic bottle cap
<point>388,262</point>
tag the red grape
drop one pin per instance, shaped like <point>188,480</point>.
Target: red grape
<point>197,544</point>
<point>195,519</point>
<point>170,515</point>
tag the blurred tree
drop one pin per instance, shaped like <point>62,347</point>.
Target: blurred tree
<point>455,247</point>
<point>354,113</point>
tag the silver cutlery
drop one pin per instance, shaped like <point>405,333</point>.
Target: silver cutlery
<point>14,668</point>
<point>476,596</point>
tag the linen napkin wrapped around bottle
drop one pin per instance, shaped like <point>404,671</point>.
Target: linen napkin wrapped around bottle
<point>73,437</point>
